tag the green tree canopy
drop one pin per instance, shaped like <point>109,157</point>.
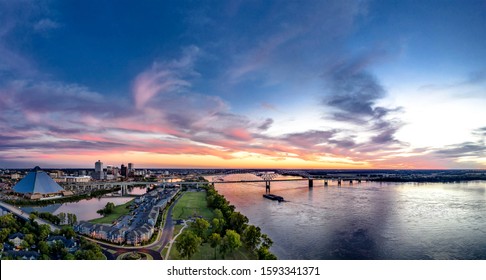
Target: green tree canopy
<point>238,222</point>
<point>218,225</point>
<point>43,232</point>
<point>231,242</point>
<point>200,227</point>
<point>214,241</point>
<point>7,221</point>
<point>264,254</point>
<point>188,244</point>
<point>252,237</point>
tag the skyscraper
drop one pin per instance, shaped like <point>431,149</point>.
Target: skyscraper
<point>131,170</point>
<point>123,170</point>
<point>99,174</point>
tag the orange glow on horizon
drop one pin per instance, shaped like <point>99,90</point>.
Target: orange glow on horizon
<point>153,160</point>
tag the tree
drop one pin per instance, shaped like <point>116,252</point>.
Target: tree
<point>215,241</point>
<point>231,242</point>
<point>4,233</point>
<point>238,222</point>
<point>72,219</point>
<point>252,237</point>
<point>218,214</point>
<point>43,247</point>
<point>89,251</point>
<point>32,217</point>
<point>44,257</point>
<point>68,232</point>
<point>29,238</point>
<point>218,225</point>
<point>188,244</point>
<point>24,244</point>
<point>43,232</point>
<point>266,241</point>
<point>264,254</point>
<point>199,227</point>
<point>109,207</point>
<point>57,250</point>
<point>69,256</point>
<point>62,217</point>
<point>7,221</point>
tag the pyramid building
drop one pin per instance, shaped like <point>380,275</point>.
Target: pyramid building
<point>37,181</point>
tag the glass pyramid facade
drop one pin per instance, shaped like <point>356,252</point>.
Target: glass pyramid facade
<point>37,181</point>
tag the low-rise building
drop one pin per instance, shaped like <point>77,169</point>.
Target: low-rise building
<point>24,255</point>
<point>69,243</point>
<point>101,232</point>
<point>16,238</point>
<point>83,227</point>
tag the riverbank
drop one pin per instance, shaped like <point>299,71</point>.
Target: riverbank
<point>217,235</point>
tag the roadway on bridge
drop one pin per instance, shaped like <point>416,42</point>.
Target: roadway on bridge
<point>26,215</point>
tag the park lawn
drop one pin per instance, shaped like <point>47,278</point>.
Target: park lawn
<point>119,211</point>
<point>194,203</point>
<point>205,252</point>
<point>190,204</point>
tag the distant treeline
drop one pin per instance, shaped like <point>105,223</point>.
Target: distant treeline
<point>435,179</point>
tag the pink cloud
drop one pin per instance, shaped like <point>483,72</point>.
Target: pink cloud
<point>152,82</point>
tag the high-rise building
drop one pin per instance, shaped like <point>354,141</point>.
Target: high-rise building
<point>123,171</point>
<point>99,174</point>
<point>131,170</point>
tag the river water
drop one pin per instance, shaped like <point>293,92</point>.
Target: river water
<point>369,220</point>
<point>85,209</point>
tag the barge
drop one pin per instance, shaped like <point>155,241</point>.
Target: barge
<point>274,197</point>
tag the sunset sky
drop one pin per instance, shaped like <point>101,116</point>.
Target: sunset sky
<point>250,84</point>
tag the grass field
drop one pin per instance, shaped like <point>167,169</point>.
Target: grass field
<point>119,211</point>
<point>194,203</point>
<point>190,204</point>
<point>205,252</point>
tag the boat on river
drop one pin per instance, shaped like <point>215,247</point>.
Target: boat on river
<point>274,197</point>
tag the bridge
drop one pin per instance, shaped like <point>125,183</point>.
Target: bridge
<point>24,215</point>
<point>273,176</point>
<point>257,176</point>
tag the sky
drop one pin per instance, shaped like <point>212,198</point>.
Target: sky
<point>243,84</point>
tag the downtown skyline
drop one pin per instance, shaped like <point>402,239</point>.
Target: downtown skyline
<point>243,84</point>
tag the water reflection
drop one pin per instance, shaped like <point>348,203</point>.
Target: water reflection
<point>368,220</point>
<point>86,209</point>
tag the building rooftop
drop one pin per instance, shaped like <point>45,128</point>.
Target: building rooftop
<point>37,181</point>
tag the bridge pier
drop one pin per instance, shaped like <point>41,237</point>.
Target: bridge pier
<point>267,186</point>
<point>212,185</point>
<point>339,182</point>
<point>311,183</point>
<point>350,182</point>
<point>325,183</point>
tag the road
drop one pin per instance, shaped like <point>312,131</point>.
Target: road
<point>168,230</point>
<point>26,215</point>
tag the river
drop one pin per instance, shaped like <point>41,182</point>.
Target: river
<point>370,220</point>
